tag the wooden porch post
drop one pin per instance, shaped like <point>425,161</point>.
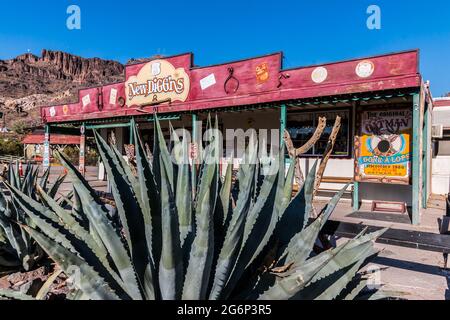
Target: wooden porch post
<point>355,183</point>
<point>426,148</point>
<point>132,124</point>
<point>46,158</point>
<point>283,119</point>
<point>416,160</point>
<point>82,158</point>
<point>193,142</point>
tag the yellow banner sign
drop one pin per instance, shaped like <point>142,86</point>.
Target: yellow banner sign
<point>383,152</point>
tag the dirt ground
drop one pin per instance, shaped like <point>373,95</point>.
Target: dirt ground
<point>409,273</point>
<point>413,274</point>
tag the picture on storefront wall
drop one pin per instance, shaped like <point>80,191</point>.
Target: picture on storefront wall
<point>382,150</point>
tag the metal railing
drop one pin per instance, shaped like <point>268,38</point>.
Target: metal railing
<point>10,158</point>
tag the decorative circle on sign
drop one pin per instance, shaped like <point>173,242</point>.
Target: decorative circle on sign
<point>384,146</point>
<point>365,69</point>
<point>52,112</point>
<point>121,102</point>
<point>319,75</point>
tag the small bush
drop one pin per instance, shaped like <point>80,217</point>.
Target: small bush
<point>10,147</point>
<point>73,153</point>
<point>20,126</point>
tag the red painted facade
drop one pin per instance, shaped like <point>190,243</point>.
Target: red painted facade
<point>36,138</point>
<point>253,81</point>
<point>441,102</point>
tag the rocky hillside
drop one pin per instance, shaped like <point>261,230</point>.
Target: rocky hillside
<point>29,81</point>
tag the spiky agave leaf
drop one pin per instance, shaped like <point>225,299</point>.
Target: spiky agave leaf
<point>68,234</point>
<point>165,254</point>
<point>260,230</point>
<point>55,187</point>
<point>302,243</point>
<point>289,285</point>
<point>126,193</point>
<point>70,222</point>
<point>171,263</point>
<point>234,234</point>
<point>202,252</point>
<point>19,243</point>
<point>44,179</point>
<point>183,194</point>
<point>96,213</point>
<point>85,277</point>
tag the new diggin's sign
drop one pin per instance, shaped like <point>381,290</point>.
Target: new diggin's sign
<point>157,81</point>
<point>383,151</point>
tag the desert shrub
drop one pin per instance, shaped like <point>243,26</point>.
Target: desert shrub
<point>11,147</point>
<point>20,126</point>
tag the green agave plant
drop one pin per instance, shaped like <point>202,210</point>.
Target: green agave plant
<point>17,248</point>
<point>247,240</point>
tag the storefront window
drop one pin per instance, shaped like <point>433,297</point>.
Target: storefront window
<point>301,127</point>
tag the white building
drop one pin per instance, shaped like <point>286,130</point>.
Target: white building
<point>441,146</point>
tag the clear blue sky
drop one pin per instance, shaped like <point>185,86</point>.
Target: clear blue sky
<point>309,32</point>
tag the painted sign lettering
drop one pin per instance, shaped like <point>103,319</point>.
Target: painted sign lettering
<point>383,152</point>
<point>157,80</point>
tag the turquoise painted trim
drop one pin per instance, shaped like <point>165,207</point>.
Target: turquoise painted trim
<point>132,124</point>
<point>425,163</point>
<point>46,160</point>
<point>108,126</point>
<point>416,160</point>
<point>162,118</point>
<point>82,155</point>
<point>283,120</point>
<point>355,196</point>
<point>194,165</point>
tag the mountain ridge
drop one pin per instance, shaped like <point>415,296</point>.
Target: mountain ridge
<point>29,81</point>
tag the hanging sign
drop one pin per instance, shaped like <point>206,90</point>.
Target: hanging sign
<point>383,151</point>
<point>158,80</point>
